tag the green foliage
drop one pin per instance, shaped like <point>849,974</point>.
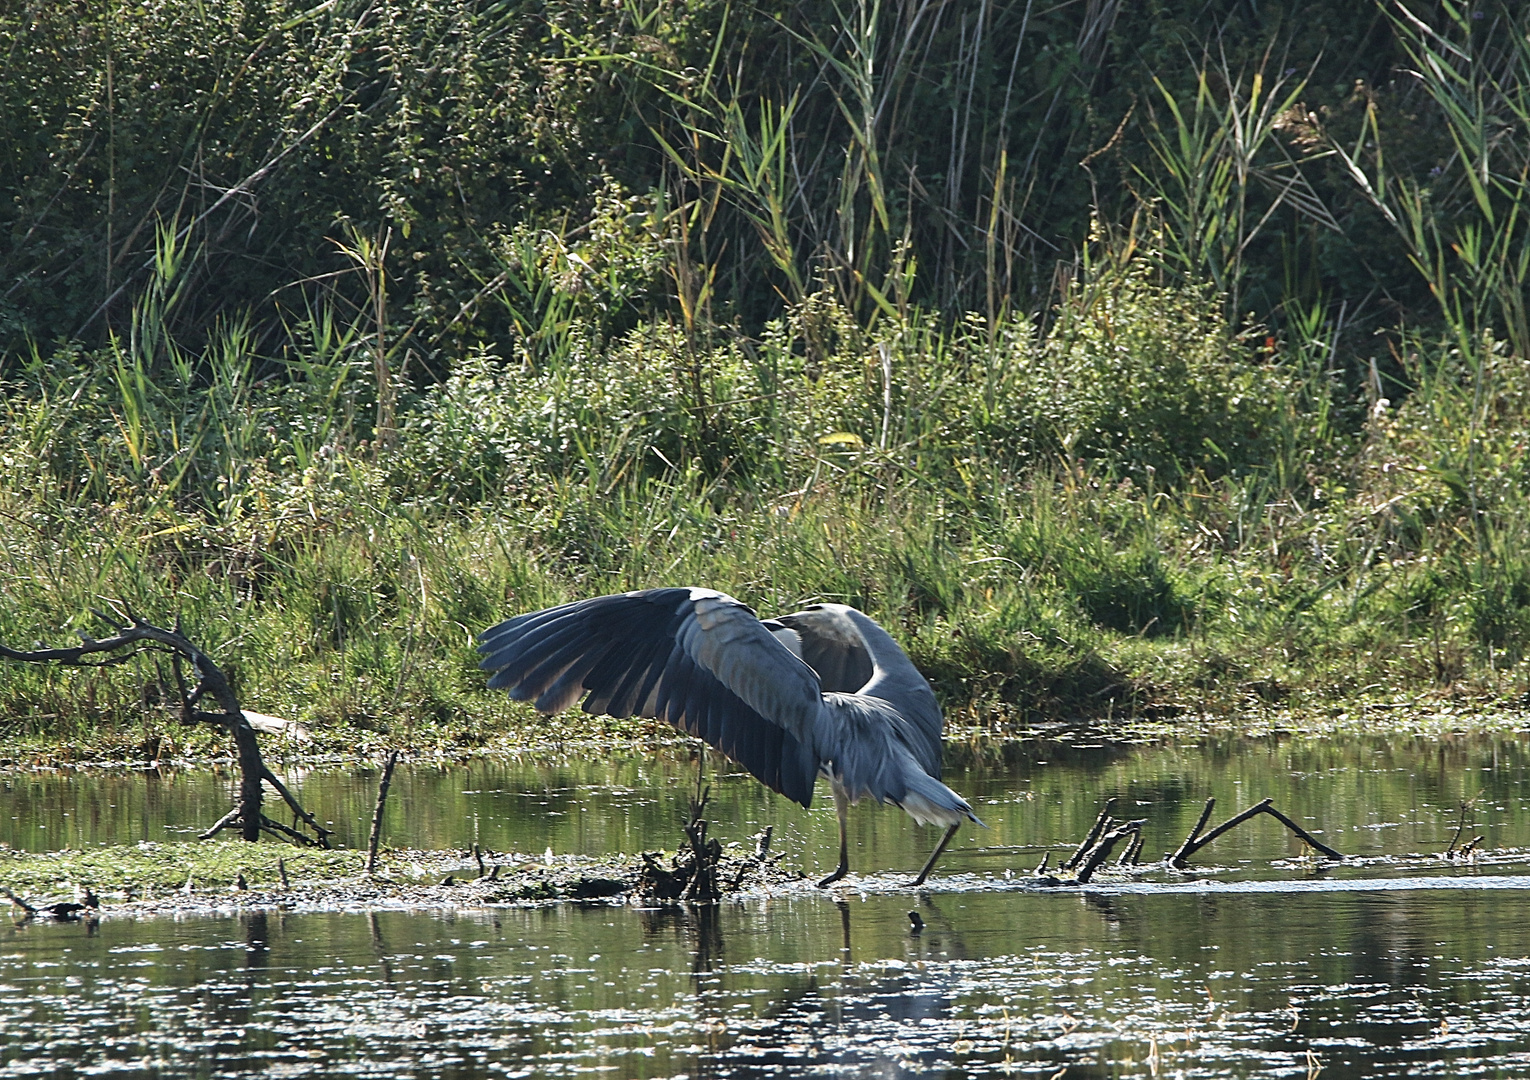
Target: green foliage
<point>1467,223</point>
<point>1148,380</point>
<point>253,129</point>
<point>395,320</point>
<point>783,147</point>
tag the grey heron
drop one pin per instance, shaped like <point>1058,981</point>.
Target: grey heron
<point>824,690</point>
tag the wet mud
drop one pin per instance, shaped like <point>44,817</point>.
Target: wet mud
<point>407,880</point>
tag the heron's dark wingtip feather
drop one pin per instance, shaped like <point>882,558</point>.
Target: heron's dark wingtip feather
<point>503,680</point>
<point>621,654</point>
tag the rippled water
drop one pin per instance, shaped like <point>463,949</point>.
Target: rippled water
<point>1362,983</point>
<point>1266,965</point>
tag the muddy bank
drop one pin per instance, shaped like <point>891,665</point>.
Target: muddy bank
<point>154,879</point>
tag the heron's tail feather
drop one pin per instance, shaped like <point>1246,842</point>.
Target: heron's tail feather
<point>930,802</point>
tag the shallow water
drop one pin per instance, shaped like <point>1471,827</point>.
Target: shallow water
<point>1266,963</point>
<point>1377,797</point>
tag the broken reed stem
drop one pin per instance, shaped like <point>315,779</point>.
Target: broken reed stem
<point>377,813</point>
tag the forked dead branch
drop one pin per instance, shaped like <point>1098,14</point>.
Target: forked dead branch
<point>1195,841</point>
<point>1107,832</point>
<point>134,636</point>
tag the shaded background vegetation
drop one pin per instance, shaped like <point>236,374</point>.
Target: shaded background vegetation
<point>1125,357</point>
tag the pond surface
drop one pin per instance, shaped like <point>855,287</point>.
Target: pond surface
<point>1266,964</point>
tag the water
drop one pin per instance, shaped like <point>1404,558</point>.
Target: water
<point>1266,965</point>
<point>1377,797</point>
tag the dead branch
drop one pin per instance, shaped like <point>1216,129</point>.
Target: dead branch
<point>1133,851</point>
<point>1195,841</point>
<point>1092,838</point>
<point>1103,836</point>
<point>1200,823</point>
<point>1302,834</point>
<point>133,635</point>
<point>1102,848</point>
<point>705,855</point>
<point>377,813</point>
<point>19,902</point>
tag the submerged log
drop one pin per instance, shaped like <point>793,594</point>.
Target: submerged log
<point>134,636</point>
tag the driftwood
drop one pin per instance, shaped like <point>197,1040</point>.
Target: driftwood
<point>134,636</point>
<point>1107,832</point>
<point>1107,841</point>
<point>86,907</point>
<point>696,874</point>
<point>1100,825</point>
<point>1195,841</point>
<point>705,855</point>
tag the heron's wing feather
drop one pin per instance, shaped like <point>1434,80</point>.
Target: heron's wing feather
<point>863,658</point>
<point>694,658</point>
<point>872,752</point>
<point>832,646</point>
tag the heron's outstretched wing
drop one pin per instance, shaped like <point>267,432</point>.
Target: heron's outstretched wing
<point>832,646</point>
<point>694,658</point>
<point>854,655</point>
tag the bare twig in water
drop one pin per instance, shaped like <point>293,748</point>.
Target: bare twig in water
<point>377,811</point>
<point>1452,852</point>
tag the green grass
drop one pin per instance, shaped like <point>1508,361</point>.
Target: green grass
<point>1031,576</point>
<point>1118,499</point>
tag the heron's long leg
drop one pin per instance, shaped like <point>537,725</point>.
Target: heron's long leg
<point>842,811</point>
<point>944,840</point>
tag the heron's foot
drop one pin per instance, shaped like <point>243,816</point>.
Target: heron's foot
<point>832,878</point>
